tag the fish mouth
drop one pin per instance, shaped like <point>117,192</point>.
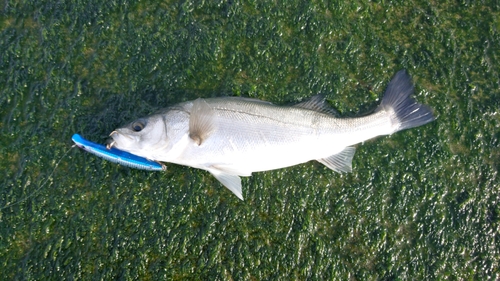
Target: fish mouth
<point>113,142</point>
<point>110,145</point>
<point>119,139</point>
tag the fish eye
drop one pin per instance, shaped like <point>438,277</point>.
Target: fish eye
<point>138,126</point>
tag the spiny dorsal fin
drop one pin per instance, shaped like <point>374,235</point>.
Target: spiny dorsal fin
<point>317,103</point>
<point>201,123</point>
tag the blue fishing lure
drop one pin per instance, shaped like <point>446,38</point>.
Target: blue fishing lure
<point>117,156</point>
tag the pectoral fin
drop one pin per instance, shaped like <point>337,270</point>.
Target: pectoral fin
<point>340,162</point>
<point>232,182</point>
<point>201,121</point>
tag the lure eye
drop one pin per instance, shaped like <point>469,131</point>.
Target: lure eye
<point>138,126</point>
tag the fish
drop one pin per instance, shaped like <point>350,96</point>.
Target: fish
<point>117,156</point>
<point>232,137</point>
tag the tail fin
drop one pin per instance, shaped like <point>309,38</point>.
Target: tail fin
<point>405,111</point>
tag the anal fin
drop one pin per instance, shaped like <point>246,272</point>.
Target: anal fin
<point>340,162</point>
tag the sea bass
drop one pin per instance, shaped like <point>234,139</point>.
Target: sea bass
<point>232,137</point>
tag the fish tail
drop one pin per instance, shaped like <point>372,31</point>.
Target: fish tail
<point>404,111</point>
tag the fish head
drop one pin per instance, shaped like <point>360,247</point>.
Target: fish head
<point>143,137</point>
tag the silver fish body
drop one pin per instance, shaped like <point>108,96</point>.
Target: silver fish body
<point>232,137</point>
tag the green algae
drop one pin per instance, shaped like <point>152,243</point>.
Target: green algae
<point>421,204</point>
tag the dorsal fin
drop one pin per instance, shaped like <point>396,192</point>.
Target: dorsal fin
<point>201,123</point>
<point>317,103</point>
